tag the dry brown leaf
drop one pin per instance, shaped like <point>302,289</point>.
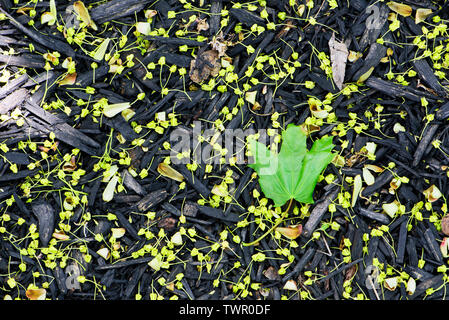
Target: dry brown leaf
<point>219,44</point>
<point>202,25</point>
<point>356,190</point>
<point>444,247</point>
<point>411,286</point>
<point>60,236</point>
<point>206,64</point>
<point>354,56</point>
<point>271,273</point>
<point>167,171</point>
<point>432,194</point>
<point>422,14</point>
<point>391,283</point>
<point>290,232</point>
<point>71,165</point>
<point>365,76</point>
<point>118,232</point>
<point>104,253</point>
<point>400,8</point>
<point>36,294</point>
<point>53,147</point>
<point>150,13</point>
<point>338,54</point>
<point>445,225</point>
<point>68,80</point>
<point>349,274</point>
<point>82,11</point>
<point>374,168</point>
<point>290,285</point>
<point>308,129</point>
<point>24,10</point>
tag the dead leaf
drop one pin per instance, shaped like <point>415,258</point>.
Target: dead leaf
<point>338,54</point>
<point>150,13</point>
<point>354,56</point>
<point>290,285</point>
<point>167,171</point>
<point>53,147</point>
<point>445,225</point>
<point>271,273</point>
<point>400,8</point>
<point>444,247</point>
<point>411,286</point>
<point>422,14</point>
<point>60,236</point>
<point>368,177</point>
<point>432,194</point>
<point>71,165</point>
<point>356,190</point>
<point>365,76</point>
<point>24,10</point>
<point>391,283</point>
<point>82,11</point>
<point>349,274</point>
<point>308,129</point>
<point>104,253</point>
<point>290,232</point>
<point>68,79</point>
<point>118,232</point>
<point>206,64</point>
<point>374,168</point>
<point>167,223</point>
<point>202,25</point>
<point>219,44</point>
<point>36,294</point>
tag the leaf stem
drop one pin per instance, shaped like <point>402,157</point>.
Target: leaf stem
<point>271,229</point>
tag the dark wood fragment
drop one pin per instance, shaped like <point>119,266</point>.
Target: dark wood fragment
<point>395,90</point>
<point>424,143</point>
<point>433,282</point>
<point>246,17</point>
<point>127,225</point>
<point>131,183</point>
<point>310,252</point>
<point>402,242</point>
<point>433,246</point>
<point>116,9</point>
<point>384,178</point>
<point>373,30</point>
<point>47,41</point>
<point>152,199</point>
<point>176,41</point>
<point>24,60</point>
<point>126,263</point>
<point>13,100</point>
<point>380,217</point>
<point>443,112</point>
<point>372,60</point>
<point>46,217</point>
<point>427,74</point>
<point>318,212</point>
<point>218,214</point>
<point>194,181</point>
<point>132,283</point>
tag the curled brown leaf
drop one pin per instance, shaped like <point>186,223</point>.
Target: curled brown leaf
<point>206,64</point>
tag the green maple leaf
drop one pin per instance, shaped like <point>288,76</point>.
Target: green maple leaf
<point>293,172</point>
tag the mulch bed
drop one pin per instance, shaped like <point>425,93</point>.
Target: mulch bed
<point>94,205</point>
